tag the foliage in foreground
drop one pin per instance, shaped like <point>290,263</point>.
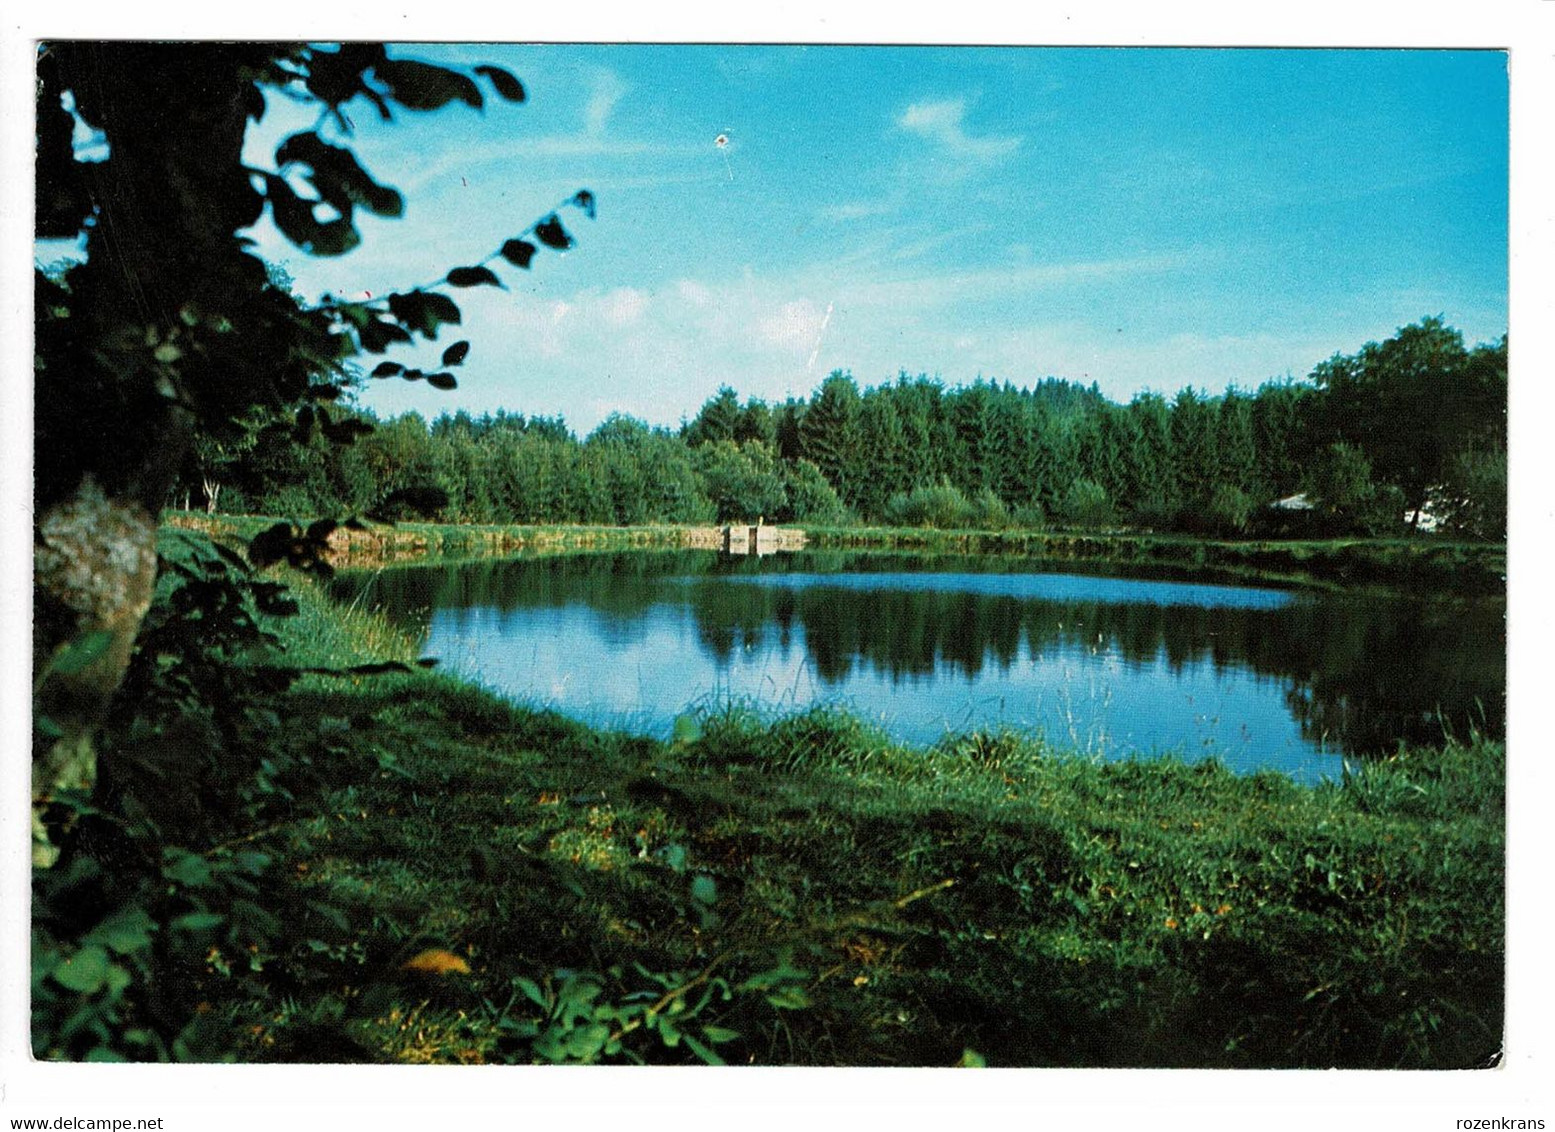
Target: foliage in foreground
<point>398,867</point>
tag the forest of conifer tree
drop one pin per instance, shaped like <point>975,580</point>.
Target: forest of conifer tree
<point>1409,427</point>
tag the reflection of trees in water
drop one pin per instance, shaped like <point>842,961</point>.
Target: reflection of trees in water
<point>1413,671</point>
<point>1361,674</point>
<point>624,583</point>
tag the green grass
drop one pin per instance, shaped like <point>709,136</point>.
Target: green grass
<point>382,542</point>
<point>805,891</point>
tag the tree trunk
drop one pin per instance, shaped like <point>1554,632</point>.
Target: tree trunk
<point>123,377</point>
<point>95,563</point>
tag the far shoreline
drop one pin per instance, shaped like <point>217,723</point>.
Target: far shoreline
<point>1467,569</point>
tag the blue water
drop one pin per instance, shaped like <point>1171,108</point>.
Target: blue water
<point>1111,667</point>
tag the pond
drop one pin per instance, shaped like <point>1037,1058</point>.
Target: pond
<point>1106,664</point>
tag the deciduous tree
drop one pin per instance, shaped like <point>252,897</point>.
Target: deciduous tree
<point>171,326</point>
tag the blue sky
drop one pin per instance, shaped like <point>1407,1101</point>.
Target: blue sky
<point>1141,218</point>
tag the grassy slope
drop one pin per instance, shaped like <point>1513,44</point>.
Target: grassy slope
<point>984,895</point>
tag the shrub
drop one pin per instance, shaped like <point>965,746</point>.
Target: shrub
<point>1229,510</point>
<point>743,482</point>
<point>989,511</point>
<point>1155,512</point>
<point>1029,516</point>
<point>942,507</point>
<point>1086,504</point>
<point>811,498</point>
<point>1476,495</point>
<point>293,499</point>
<point>160,891</point>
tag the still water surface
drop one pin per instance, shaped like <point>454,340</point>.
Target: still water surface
<point>1108,665</point>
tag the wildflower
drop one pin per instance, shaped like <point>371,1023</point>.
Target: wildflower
<point>1171,923</point>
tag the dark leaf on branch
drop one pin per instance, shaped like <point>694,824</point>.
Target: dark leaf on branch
<point>425,501</point>
<point>443,308</point>
<point>473,277</point>
<point>377,100</point>
<point>357,314</point>
<point>294,217</point>
<point>80,652</point>
<point>377,668</point>
<point>551,233</point>
<point>335,77</point>
<point>387,369</point>
<point>254,103</point>
<point>378,334</point>
<point>442,381</point>
<point>333,237</point>
<point>456,354</point>
<point>274,601</point>
<point>423,311</point>
<point>421,86</point>
<point>584,200</point>
<point>271,545</point>
<point>340,181</point>
<point>286,542</point>
<point>345,430</point>
<point>518,252</point>
<point>407,306</point>
<point>503,82</point>
<point>230,556</point>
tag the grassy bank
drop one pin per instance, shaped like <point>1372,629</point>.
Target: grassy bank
<point>511,886</point>
<point>377,543</point>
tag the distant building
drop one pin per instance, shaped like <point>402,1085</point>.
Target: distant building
<point>1429,518</point>
<point>1297,502</point>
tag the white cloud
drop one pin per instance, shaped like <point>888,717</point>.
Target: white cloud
<point>608,90</point>
<point>693,292</point>
<point>794,327</point>
<point>855,210</point>
<point>943,124</point>
<point>904,292</point>
<point>624,306</point>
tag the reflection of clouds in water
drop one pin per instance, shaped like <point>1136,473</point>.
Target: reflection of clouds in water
<point>634,660</point>
<point>578,659</point>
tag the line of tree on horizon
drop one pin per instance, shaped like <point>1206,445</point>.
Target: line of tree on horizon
<point>1405,433</point>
